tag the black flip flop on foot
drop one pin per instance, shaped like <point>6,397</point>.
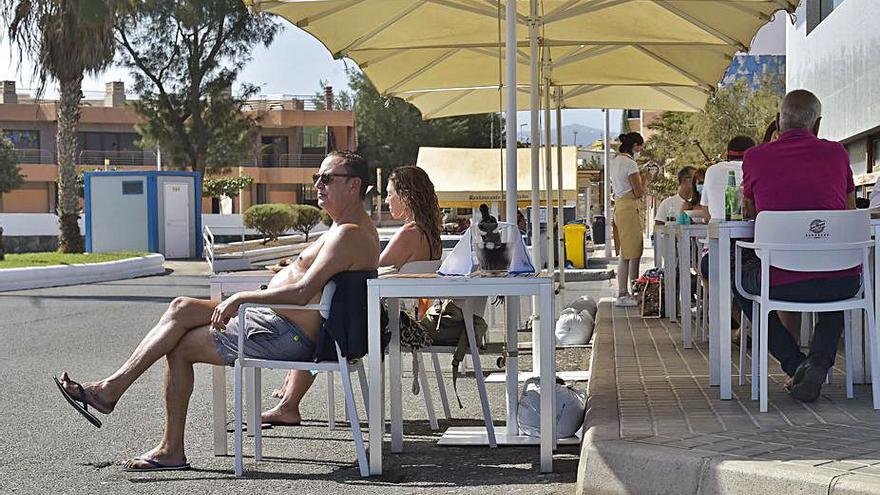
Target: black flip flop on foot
<point>82,409</point>
<point>155,465</point>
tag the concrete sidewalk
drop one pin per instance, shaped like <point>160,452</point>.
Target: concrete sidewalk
<point>656,426</point>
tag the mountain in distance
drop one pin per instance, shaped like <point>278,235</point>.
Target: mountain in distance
<point>585,135</point>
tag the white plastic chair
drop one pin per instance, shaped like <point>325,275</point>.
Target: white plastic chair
<point>342,365</point>
<point>810,241</point>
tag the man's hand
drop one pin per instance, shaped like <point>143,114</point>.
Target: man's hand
<point>224,311</point>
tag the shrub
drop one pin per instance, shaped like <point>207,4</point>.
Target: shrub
<point>305,217</point>
<point>270,220</point>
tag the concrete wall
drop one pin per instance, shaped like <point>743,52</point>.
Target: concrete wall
<point>839,61</point>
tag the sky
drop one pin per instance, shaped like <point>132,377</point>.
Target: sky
<point>296,62</point>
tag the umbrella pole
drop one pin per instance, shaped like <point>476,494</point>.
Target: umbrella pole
<point>511,303</point>
<point>607,195</point>
<point>559,215</point>
<point>548,179</point>
<point>535,88</point>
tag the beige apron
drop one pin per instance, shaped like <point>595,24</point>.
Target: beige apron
<point>630,221</point>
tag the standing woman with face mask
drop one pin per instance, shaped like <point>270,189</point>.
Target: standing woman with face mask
<point>629,215</point>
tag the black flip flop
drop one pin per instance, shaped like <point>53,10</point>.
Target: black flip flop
<point>82,409</point>
<point>155,466</point>
<point>281,423</point>
<point>230,426</point>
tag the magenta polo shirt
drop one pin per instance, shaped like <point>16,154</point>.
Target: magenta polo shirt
<point>798,172</point>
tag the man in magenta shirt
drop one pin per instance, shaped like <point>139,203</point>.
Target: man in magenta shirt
<point>799,171</point>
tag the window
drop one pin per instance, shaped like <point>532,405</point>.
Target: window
<point>132,187</point>
<point>874,153</point>
<point>818,10</point>
<point>23,139</point>
<point>108,141</point>
<point>314,139</point>
<point>308,194</point>
<point>826,6</point>
<point>633,114</point>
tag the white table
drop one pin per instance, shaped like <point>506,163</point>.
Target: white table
<point>720,235</point>
<point>685,234</point>
<point>665,235</point>
<point>432,286</point>
<point>223,284</point>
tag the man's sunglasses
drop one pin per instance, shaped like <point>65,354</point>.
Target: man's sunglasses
<point>327,178</point>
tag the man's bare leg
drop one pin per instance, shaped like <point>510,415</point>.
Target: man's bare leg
<point>182,315</point>
<point>196,346</point>
<point>295,388</point>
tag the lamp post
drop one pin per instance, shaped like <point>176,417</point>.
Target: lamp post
<point>575,139</point>
<point>522,133</point>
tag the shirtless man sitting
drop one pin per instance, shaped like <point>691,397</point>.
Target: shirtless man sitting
<point>203,331</point>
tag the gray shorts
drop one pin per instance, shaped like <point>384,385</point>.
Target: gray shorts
<point>269,336</point>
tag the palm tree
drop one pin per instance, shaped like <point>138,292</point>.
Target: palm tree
<point>65,39</point>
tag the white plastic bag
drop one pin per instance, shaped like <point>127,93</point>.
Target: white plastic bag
<point>570,407</point>
<point>574,327</point>
<point>585,303</point>
<point>461,260</point>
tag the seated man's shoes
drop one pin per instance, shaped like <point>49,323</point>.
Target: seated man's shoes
<point>809,377</point>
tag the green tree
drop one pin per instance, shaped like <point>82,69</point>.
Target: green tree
<point>342,100</point>
<point>733,110</point>
<point>230,187</point>
<point>65,39</point>
<point>184,57</point>
<point>10,173</point>
<point>305,218</point>
<point>10,178</point>
<point>390,130</point>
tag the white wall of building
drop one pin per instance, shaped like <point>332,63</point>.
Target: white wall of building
<point>839,61</point>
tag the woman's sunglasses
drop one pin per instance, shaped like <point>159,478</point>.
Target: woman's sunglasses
<point>327,178</point>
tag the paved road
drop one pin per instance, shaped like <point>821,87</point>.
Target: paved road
<point>89,330</point>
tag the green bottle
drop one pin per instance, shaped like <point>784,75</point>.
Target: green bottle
<point>732,199</point>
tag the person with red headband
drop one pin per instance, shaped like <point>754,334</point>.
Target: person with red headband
<point>716,176</point>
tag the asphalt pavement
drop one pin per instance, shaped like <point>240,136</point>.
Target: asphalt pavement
<point>89,330</point>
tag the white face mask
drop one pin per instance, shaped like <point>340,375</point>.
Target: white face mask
<point>637,154</point>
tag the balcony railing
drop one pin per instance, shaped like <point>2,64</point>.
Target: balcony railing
<point>286,160</point>
<point>141,158</point>
<point>35,156</point>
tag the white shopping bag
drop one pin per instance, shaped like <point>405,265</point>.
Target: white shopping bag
<point>462,260</point>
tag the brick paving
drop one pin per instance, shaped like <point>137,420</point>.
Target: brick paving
<point>652,391</point>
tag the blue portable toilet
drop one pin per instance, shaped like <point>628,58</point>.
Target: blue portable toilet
<point>151,211</point>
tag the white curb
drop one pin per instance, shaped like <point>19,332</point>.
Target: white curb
<point>54,276</point>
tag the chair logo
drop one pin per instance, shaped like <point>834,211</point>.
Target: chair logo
<point>817,230</point>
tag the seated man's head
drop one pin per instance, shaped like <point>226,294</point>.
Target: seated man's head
<point>341,182</point>
<point>737,147</point>
<point>800,109</point>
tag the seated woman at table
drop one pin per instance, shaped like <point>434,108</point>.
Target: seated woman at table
<point>410,198</point>
<point>693,204</point>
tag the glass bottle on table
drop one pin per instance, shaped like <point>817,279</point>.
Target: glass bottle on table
<point>732,199</point>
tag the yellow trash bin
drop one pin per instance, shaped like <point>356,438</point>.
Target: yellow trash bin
<point>574,244</point>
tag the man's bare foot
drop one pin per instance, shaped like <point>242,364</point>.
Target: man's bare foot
<point>279,417</point>
<point>93,394</point>
<point>157,459</point>
<point>278,393</point>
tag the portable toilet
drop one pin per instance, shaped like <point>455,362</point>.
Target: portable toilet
<point>150,211</point>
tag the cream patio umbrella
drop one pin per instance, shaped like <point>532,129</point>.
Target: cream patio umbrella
<point>412,45</point>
